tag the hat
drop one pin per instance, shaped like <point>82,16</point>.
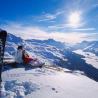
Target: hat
<point>20,47</point>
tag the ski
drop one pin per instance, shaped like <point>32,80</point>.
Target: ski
<point>3,35</point>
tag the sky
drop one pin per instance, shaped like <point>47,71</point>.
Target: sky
<point>63,20</point>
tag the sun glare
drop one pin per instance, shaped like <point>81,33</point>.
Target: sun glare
<point>74,19</point>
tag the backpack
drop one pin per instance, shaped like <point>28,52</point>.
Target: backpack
<point>25,57</point>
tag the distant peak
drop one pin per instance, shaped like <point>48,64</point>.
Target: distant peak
<point>51,39</point>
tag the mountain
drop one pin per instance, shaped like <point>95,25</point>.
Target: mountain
<point>42,49</point>
<point>79,67</point>
<point>87,46</point>
<point>50,42</point>
<point>55,53</point>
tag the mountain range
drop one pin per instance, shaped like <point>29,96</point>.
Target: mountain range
<point>73,57</point>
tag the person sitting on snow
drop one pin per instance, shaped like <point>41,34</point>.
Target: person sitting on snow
<point>22,56</point>
<point>18,55</point>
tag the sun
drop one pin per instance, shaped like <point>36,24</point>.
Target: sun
<point>74,19</point>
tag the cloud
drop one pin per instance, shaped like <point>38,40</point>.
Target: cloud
<point>60,26</point>
<point>92,36</point>
<point>85,29</point>
<point>33,32</point>
<point>67,27</point>
<point>48,16</point>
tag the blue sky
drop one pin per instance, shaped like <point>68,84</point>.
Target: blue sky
<point>58,19</point>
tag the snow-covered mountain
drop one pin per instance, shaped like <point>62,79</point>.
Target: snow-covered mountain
<point>87,46</point>
<point>56,53</point>
<point>44,50</point>
<point>80,67</point>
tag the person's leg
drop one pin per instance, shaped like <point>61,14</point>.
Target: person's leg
<point>36,63</point>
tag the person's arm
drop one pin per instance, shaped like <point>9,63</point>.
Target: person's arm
<point>26,54</point>
<point>15,56</point>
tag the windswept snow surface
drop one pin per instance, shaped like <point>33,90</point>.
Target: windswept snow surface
<point>47,83</point>
<point>89,57</point>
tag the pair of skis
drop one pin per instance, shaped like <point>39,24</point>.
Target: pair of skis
<point>3,35</point>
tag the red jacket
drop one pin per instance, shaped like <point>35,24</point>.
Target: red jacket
<point>27,60</point>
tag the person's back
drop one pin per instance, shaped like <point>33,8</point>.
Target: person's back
<point>19,54</point>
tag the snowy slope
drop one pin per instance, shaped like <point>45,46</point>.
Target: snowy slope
<point>43,50</point>
<point>87,46</point>
<point>53,53</point>
<point>90,58</point>
<point>45,83</point>
<point>79,80</point>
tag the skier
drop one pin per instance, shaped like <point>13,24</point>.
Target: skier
<point>21,56</point>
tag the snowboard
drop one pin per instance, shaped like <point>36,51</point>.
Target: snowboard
<point>3,35</point>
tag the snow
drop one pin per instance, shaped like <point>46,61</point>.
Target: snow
<point>30,82</point>
<point>48,51</point>
<point>90,58</point>
<point>47,83</point>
